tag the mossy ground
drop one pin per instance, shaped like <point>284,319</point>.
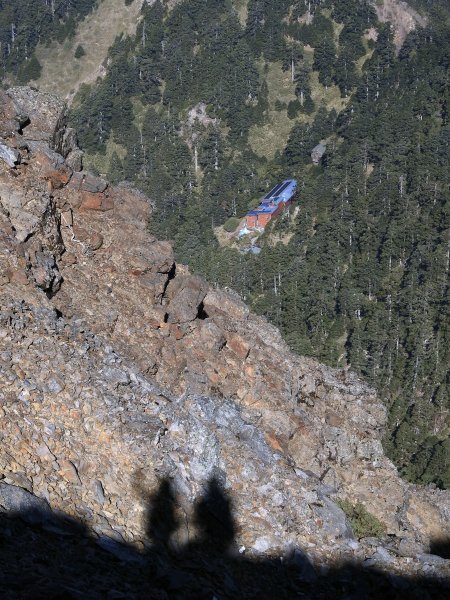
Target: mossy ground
<point>100,163</point>
<point>271,137</point>
<point>242,10</point>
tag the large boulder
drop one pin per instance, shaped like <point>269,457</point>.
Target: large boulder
<point>10,156</point>
<point>187,293</point>
<point>46,113</point>
<point>11,119</point>
<point>219,302</point>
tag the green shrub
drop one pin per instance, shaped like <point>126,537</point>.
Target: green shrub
<point>79,52</point>
<point>294,108</point>
<point>362,522</point>
<point>30,71</point>
<point>308,106</point>
<point>280,105</point>
<point>231,224</point>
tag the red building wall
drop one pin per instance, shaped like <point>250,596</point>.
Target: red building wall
<point>263,219</point>
<point>251,221</point>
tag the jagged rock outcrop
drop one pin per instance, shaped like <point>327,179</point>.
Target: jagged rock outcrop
<point>119,368</point>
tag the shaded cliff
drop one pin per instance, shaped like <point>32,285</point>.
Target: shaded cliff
<point>120,370</point>
<point>58,557</point>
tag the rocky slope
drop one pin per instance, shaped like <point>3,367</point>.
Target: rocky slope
<point>120,370</point>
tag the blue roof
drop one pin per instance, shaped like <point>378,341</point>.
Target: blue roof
<point>288,190</point>
<point>282,192</point>
<point>264,209</point>
<point>273,192</point>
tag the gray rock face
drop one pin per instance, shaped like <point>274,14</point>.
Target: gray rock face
<point>116,376</point>
<point>186,294</point>
<point>432,559</point>
<point>93,184</point>
<point>407,547</point>
<point>26,221</point>
<point>9,155</point>
<point>16,500</point>
<point>382,555</point>
<point>69,148</point>
<point>45,272</point>
<point>75,159</point>
<point>47,155</point>
<point>334,520</point>
<point>11,119</point>
<point>46,113</point>
<point>218,302</point>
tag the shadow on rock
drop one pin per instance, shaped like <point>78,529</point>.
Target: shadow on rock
<point>441,548</point>
<point>51,556</point>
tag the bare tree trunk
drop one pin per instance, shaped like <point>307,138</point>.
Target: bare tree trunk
<point>195,158</point>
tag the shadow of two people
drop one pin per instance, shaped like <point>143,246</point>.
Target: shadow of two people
<point>58,559</point>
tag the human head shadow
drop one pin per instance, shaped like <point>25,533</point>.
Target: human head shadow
<point>60,558</point>
<point>161,519</point>
<point>212,517</point>
<point>214,520</point>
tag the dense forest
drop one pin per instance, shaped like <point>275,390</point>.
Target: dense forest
<point>23,25</point>
<point>358,275</point>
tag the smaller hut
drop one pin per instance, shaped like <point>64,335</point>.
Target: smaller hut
<point>317,153</point>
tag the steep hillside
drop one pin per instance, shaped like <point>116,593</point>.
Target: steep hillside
<point>363,279</point>
<point>360,276</point>
<point>130,385</point>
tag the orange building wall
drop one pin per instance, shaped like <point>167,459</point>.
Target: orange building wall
<point>263,220</point>
<point>250,221</point>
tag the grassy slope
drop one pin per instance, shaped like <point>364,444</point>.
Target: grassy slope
<point>242,10</point>
<point>266,139</point>
<point>271,137</point>
<point>369,51</point>
<point>101,162</point>
<point>61,72</point>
